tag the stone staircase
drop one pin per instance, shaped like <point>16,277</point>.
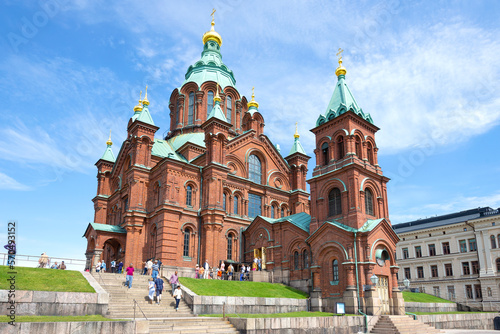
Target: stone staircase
<point>401,324</point>
<point>162,318</point>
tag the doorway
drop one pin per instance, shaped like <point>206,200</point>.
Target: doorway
<point>383,294</point>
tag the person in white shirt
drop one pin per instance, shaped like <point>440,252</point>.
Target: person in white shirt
<point>177,296</point>
<point>150,266</point>
<point>207,267</point>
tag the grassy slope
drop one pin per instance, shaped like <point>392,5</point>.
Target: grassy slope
<point>422,298</point>
<point>30,318</point>
<point>39,279</point>
<point>208,287</point>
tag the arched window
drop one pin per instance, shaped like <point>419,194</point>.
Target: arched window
<point>191,108</point>
<point>177,112</point>
<point>334,202</point>
<point>229,108</point>
<point>230,247</point>
<point>224,201</point>
<point>296,260</point>
<point>340,147</point>
<point>498,240</point>
<point>324,151</point>
<point>358,147</point>
<point>369,202</point>
<point>369,152</point>
<point>282,212</point>
<point>493,242</point>
<point>157,194</point>
<point>235,205</point>
<point>189,195</point>
<point>186,242</point>
<point>498,265</point>
<point>255,173</point>
<point>210,101</point>
<point>335,270</point>
<point>305,259</point>
<point>273,209</point>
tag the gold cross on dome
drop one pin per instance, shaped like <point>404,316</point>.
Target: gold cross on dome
<point>213,14</point>
<point>339,54</point>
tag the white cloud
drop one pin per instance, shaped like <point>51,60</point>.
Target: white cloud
<point>8,183</point>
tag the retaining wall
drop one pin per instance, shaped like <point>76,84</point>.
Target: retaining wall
<point>460,321</point>
<point>87,327</point>
<point>430,307</point>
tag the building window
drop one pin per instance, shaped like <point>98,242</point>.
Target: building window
<point>177,113</point>
<point>282,212</point>
<point>436,291</point>
<point>477,289</point>
<point>407,273</point>
<point>340,147</point>
<point>475,267</point>
<point>334,202</point>
<point>498,265</point>
<point>418,251</point>
<point>468,292</point>
<point>369,202</point>
<point>493,242</point>
<point>463,246</point>
<point>448,269</point>
<point>465,268</point>
<point>369,153</point>
<point>432,250</point>
<point>420,272</point>
<point>229,108</point>
<point>434,271</point>
<point>255,169</point>
<point>210,101</point>
<point>273,210</point>
<point>358,147</point>
<point>191,108</point>
<point>224,201</point>
<point>490,294</point>
<point>324,151</point>
<point>498,240</point>
<point>405,253</point>
<point>235,205</point>
<point>296,260</point>
<point>189,195</point>
<point>186,242</point>
<point>305,259</point>
<point>254,205</point>
<point>472,245</point>
<point>451,292</point>
<point>230,247</point>
<point>335,270</point>
<point>446,248</point>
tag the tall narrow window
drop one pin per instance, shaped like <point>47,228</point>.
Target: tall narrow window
<point>296,260</point>
<point>463,246</point>
<point>210,101</point>
<point>369,153</point>
<point>229,108</point>
<point>325,153</point>
<point>335,270</point>
<point>369,202</point>
<point>191,109</point>
<point>418,251</point>
<point>334,202</point>
<point>224,201</point>
<point>189,195</point>
<point>282,212</point>
<point>235,205</point>
<point>254,205</point>
<point>446,248</point>
<point>273,209</point>
<point>255,165</point>
<point>186,242</point>
<point>305,259</point>
<point>177,112</point>
<point>472,245</point>
<point>358,147</point>
<point>340,147</point>
<point>432,250</point>
<point>493,242</point>
<point>230,247</point>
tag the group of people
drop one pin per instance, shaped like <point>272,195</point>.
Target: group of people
<point>61,266</point>
<point>152,268</point>
<point>44,262</point>
<point>102,267</point>
<point>207,272</point>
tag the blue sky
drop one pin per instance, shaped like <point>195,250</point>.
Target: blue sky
<point>427,71</point>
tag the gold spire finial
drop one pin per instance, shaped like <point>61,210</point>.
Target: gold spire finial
<point>109,142</point>
<point>138,107</point>
<point>253,103</point>
<point>341,69</point>
<point>296,135</point>
<point>217,97</point>
<point>145,102</point>
<point>212,35</point>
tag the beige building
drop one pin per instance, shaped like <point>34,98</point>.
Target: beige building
<point>454,256</point>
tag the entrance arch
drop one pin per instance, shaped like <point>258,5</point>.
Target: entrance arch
<point>111,251</point>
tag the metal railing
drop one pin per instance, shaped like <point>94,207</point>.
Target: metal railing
<point>136,303</point>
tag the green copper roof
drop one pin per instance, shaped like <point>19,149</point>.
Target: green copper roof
<point>367,226</point>
<point>302,220</point>
<point>144,116</point>
<point>108,155</point>
<point>197,138</point>
<point>163,149</point>
<point>297,147</point>
<point>217,112</point>
<point>342,101</point>
<point>108,228</point>
<point>210,68</point>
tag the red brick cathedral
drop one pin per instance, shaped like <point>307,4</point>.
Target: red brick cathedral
<point>216,188</point>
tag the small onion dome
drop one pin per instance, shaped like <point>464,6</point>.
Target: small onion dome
<point>212,35</point>
<point>109,142</point>
<point>138,107</point>
<point>253,103</point>
<point>145,102</point>
<point>341,69</point>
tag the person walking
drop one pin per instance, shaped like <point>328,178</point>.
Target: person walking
<point>150,267</point>
<point>177,296</point>
<point>155,269</point>
<point>230,272</point>
<point>130,275</point>
<point>103,266</point>
<point>159,289</point>
<point>113,266</point>
<point>206,267</point>
<point>201,273</point>
<point>174,281</point>
<point>197,272</point>
<point>42,261</point>
<point>259,264</point>
<point>151,289</point>
<point>98,267</point>
<point>120,267</point>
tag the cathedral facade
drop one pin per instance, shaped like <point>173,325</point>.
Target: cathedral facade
<point>216,188</point>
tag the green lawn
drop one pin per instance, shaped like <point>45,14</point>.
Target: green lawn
<point>39,279</point>
<point>209,287</point>
<point>422,298</point>
<point>30,318</point>
<point>303,314</point>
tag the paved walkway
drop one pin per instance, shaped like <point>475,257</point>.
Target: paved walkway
<point>469,331</point>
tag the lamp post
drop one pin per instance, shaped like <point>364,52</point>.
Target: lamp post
<point>406,282</point>
<point>374,280</point>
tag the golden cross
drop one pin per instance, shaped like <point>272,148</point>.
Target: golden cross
<point>253,91</point>
<point>339,54</point>
<point>140,96</point>
<point>213,12</point>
